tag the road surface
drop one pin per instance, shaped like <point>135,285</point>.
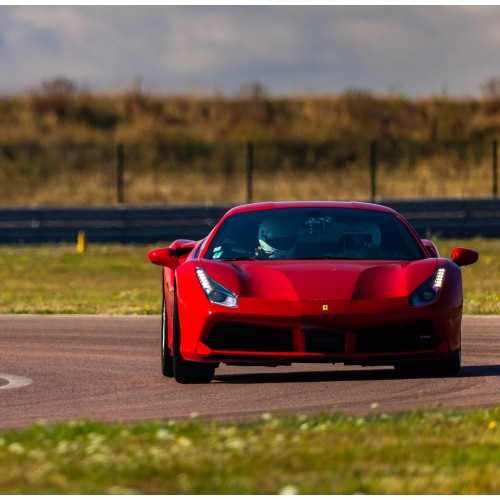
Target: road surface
<point>57,368</point>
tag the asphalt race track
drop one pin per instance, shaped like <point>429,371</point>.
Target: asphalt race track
<point>56,368</point>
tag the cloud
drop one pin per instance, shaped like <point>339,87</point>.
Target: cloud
<point>415,50</point>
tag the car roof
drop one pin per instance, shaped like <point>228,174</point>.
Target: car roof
<point>271,205</point>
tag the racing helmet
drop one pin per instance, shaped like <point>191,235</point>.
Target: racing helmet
<point>278,237</point>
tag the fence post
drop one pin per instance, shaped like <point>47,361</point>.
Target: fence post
<point>495,169</point>
<point>120,167</point>
<point>373,170</point>
<point>249,172</point>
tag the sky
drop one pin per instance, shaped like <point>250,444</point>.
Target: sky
<point>415,51</point>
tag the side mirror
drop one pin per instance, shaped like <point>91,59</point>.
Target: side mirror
<point>464,256</point>
<point>164,257</point>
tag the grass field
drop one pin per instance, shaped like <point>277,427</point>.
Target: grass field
<point>115,279</point>
<point>415,453</point>
<point>107,279</point>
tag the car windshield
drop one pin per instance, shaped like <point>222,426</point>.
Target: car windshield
<point>314,233</point>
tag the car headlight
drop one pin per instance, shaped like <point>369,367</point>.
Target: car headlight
<point>215,292</point>
<point>429,290</point>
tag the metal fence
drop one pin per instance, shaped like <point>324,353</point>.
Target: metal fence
<point>231,173</point>
<point>126,224</point>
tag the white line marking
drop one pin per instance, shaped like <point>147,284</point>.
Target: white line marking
<point>14,381</point>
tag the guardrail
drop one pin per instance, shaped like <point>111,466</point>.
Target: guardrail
<point>459,218</point>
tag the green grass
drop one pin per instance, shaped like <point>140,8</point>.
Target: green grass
<point>118,279</point>
<point>414,453</point>
<point>107,279</point>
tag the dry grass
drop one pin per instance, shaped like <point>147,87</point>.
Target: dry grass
<point>55,114</point>
<point>431,180</point>
<point>216,189</point>
<point>435,179</point>
<point>58,147</point>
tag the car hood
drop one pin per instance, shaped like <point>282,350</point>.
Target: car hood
<point>321,280</point>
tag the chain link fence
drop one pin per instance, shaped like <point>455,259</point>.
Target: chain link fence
<point>231,173</point>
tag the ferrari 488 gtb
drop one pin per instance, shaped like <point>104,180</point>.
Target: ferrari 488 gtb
<point>276,283</point>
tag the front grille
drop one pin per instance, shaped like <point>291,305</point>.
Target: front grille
<point>404,337</point>
<point>324,341</point>
<point>228,336</point>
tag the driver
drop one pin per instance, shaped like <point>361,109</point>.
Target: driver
<point>277,238</point>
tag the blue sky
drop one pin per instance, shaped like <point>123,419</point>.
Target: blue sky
<point>415,51</point>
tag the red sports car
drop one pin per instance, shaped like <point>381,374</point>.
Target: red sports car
<point>276,283</point>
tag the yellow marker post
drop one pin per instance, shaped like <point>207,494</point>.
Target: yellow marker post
<point>81,242</point>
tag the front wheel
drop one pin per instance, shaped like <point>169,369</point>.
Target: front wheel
<point>167,361</point>
<point>188,372</point>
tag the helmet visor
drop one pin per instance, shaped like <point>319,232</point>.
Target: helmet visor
<point>280,242</point>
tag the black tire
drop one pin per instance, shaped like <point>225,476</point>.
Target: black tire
<point>167,361</point>
<point>188,372</point>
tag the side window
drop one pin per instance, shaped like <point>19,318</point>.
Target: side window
<point>237,238</point>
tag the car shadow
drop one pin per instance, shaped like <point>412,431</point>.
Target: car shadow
<point>302,376</point>
<point>348,375</point>
<point>480,371</point>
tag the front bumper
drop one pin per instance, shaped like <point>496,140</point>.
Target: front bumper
<point>353,332</point>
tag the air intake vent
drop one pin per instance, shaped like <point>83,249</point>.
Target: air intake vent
<point>227,336</point>
<point>324,341</point>
<point>406,337</point>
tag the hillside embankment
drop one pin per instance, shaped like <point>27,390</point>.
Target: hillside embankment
<point>60,112</point>
<point>58,145</point>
